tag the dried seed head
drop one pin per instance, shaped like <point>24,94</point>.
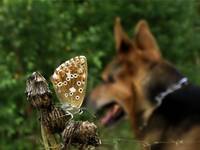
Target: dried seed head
<point>54,119</point>
<point>81,133</point>
<point>37,91</point>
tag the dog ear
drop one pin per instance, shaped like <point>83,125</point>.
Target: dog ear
<point>122,41</point>
<point>144,39</point>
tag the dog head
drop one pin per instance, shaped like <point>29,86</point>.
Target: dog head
<point>133,78</point>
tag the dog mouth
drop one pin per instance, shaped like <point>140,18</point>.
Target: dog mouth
<point>110,114</point>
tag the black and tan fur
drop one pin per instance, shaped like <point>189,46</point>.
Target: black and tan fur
<point>132,80</point>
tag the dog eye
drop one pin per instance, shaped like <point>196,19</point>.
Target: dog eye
<point>111,79</point>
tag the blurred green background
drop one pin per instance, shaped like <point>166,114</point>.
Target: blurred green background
<point>40,34</point>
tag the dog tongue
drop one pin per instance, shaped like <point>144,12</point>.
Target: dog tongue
<point>110,114</point>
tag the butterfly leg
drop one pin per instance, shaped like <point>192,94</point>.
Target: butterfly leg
<point>69,113</point>
<point>83,109</point>
<point>80,111</point>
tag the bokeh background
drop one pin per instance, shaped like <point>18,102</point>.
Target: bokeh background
<point>37,35</point>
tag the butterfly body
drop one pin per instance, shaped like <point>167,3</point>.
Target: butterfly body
<point>69,81</point>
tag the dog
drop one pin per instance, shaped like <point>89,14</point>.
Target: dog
<point>162,105</point>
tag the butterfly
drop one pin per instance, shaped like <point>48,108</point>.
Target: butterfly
<point>69,81</point>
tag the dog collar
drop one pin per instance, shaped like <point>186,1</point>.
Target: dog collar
<point>159,98</point>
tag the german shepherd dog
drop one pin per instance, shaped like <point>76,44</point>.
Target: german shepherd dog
<point>160,103</point>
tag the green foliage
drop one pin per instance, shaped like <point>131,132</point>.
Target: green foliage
<point>40,34</point>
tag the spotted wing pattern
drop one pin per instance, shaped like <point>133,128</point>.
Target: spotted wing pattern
<point>69,81</point>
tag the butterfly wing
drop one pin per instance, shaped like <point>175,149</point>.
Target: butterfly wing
<point>69,81</point>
